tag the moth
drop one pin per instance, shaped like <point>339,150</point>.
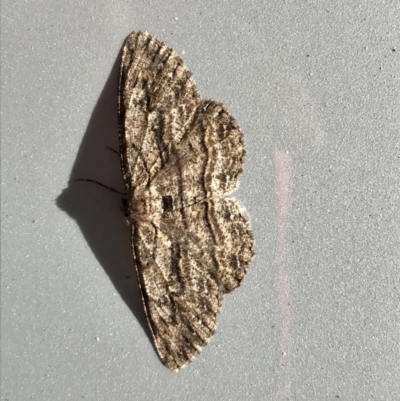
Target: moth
<point>180,156</point>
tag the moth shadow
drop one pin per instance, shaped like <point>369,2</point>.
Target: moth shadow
<point>98,211</point>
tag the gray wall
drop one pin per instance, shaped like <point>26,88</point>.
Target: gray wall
<point>314,86</point>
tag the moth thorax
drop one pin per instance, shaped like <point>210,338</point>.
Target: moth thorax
<point>145,203</point>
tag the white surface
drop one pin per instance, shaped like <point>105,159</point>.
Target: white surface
<point>315,88</point>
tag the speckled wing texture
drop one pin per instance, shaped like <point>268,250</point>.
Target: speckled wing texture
<point>181,156</point>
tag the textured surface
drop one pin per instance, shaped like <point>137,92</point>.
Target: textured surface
<point>180,156</point>
<point>314,86</point>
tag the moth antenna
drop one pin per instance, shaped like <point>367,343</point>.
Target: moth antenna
<point>102,185</point>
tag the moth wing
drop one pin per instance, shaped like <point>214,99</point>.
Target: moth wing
<point>157,101</point>
<point>217,232</point>
<point>181,297</point>
<point>207,161</point>
<point>185,264</point>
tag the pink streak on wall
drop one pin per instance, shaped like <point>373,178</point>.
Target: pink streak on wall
<point>282,191</point>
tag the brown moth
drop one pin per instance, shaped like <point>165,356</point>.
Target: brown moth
<point>181,156</point>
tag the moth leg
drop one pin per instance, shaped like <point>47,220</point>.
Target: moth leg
<point>113,150</point>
